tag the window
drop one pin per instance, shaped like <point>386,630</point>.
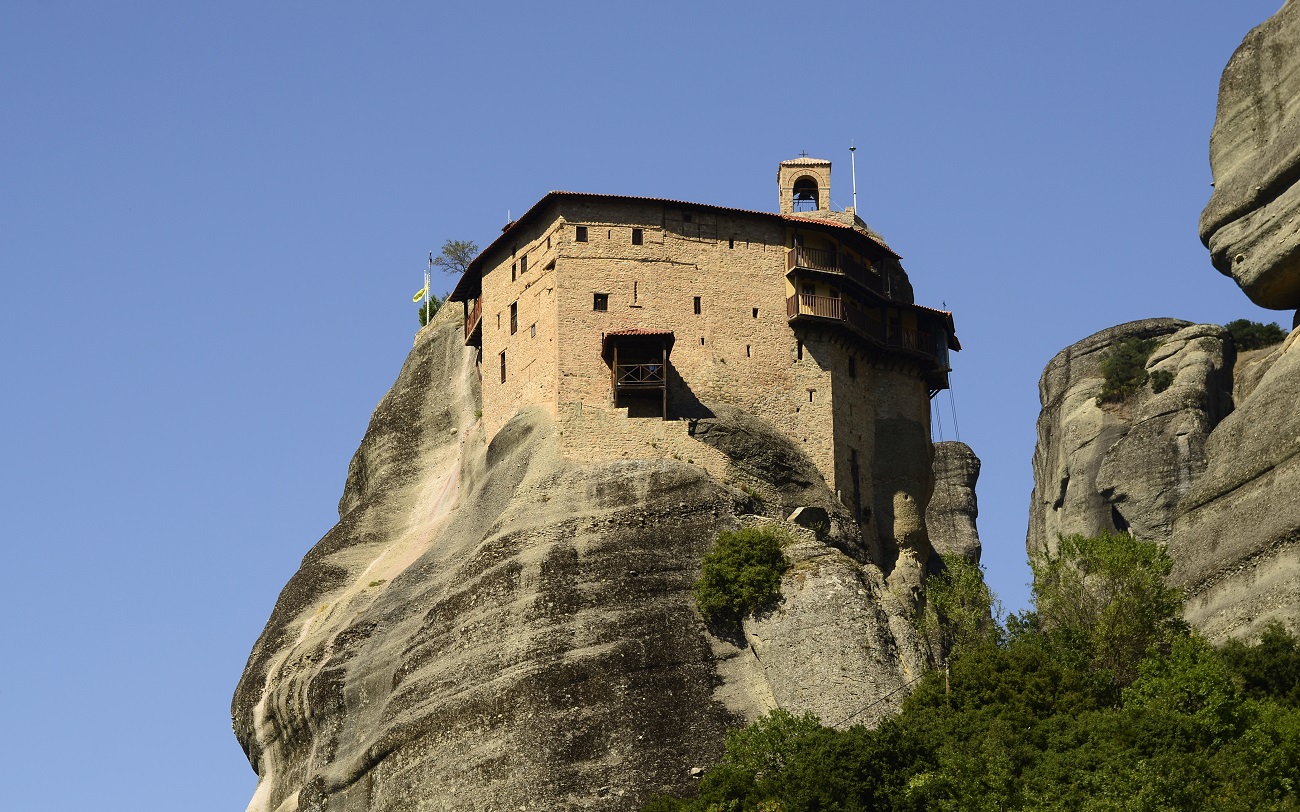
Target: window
<point>513,274</point>
<point>514,317</point>
<point>634,293</point>
<point>503,366</point>
<point>533,330</point>
<point>580,234</point>
<point>697,305</point>
<point>523,265</point>
<point>731,243</point>
<point>600,301</point>
<point>810,391</point>
<point>548,240</point>
<point>756,312</point>
<point>809,290</point>
<point>853,367</point>
<point>746,350</point>
<point>798,350</point>
<point>638,236</point>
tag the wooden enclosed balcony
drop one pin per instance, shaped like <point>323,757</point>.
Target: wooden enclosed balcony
<point>891,335</point>
<point>835,262</point>
<point>474,323</point>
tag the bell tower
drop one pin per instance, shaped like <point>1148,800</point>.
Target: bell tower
<point>805,185</point>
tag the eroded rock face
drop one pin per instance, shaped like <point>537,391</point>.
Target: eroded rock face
<point>1087,477</point>
<point>1210,477</point>
<point>950,516</point>
<point>1252,223</point>
<point>1236,536</point>
<point>500,627</point>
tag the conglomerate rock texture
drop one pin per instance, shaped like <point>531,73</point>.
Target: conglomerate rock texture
<point>1252,222</point>
<point>1210,474</point>
<point>499,627</point>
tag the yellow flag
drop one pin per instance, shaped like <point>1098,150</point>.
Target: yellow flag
<point>417,297</point>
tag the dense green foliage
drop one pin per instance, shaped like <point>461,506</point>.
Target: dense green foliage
<point>1125,368</point>
<point>959,608</point>
<point>1043,715</point>
<point>741,574</point>
<point>427,313</point>
<point>1161,379</point>
<point>1251,335</point>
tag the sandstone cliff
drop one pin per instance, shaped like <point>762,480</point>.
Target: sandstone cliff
<point>496,626</point>
<point>1192,467</point>
<point>950,516</point>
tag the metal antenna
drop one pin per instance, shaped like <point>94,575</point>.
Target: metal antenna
<point>853,167</point>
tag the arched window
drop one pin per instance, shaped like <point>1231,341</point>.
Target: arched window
<point>806,194</point>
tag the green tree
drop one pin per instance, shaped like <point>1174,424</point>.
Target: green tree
<point>960,609</point>
<point>456,255</point>
<point>1125,368</point>
<point>1252,335</point>
<point>430,309</point>
<point>741,574</point>
<point>1107,596</point>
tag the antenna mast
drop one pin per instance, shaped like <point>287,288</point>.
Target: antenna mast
<point>853,167</point>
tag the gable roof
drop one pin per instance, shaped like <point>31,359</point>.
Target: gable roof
<point>470,284</point>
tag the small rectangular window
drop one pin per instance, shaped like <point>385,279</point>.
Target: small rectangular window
<point>701,341</point>
<point>513,272</point>
<point>638,236</point>
<point>798,350</point>
<point>600,301</point>
<point>548,240</point>
<point>514,317</point>
<point>756,312</point>
<point>503,366</point>
<point>580,234</point>
<point>533,331</point>
<point>731,243</point>
<point>523,265</point>
<point>746,350</point>
<point>810,393</point>
<point>853,367</point>
<point>697,305</point>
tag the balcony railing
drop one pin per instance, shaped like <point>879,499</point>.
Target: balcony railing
<point>831,261</point>
<point>892,334</point>
<point>639,375</point>
<point>475,316</point>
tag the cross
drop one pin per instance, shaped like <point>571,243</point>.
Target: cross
<point>803,153</point>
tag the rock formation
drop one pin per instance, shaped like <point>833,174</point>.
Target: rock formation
<point>497,626</point>
<point>1252,223</point>
<point>950,516</point>
<point>1191,467</point>
<point>1212,465</point>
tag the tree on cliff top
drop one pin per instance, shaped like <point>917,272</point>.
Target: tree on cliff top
<point>456,255</point>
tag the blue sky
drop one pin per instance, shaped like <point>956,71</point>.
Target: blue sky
<point>214,217</point>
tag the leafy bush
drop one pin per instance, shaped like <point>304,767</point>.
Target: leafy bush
<point>741,574</point>
<point>1161,379</point>
<point>1251,335</point>
<point>960,607</point>
<point>1125,369</point>
<point>1032,719</point>
<point>427,314</point>
<point>1107,595</point>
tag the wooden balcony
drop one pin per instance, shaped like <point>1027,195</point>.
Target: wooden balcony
<point>892,335</point>
<point>640,376</point>
<point>835,262</point>
<point>474,324</point>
